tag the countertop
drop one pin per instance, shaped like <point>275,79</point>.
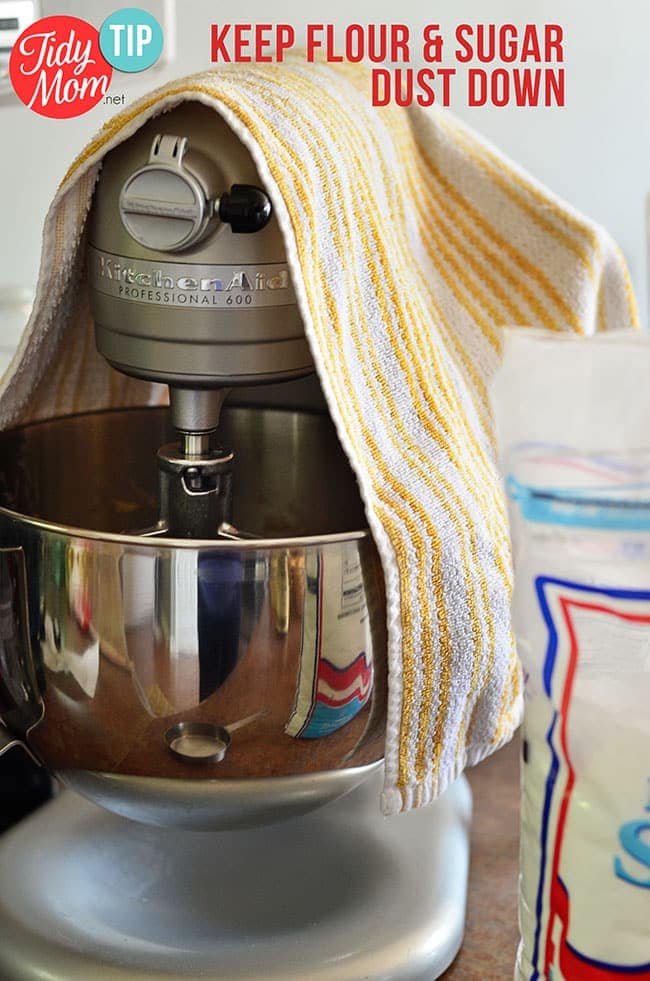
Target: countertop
<point>488,951</point>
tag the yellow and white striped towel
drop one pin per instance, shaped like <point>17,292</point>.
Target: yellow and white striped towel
<point>411,242</point>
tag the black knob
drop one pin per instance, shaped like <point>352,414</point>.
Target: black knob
<point>245,208</point>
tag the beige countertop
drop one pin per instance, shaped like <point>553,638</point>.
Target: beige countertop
<point>488,951</point>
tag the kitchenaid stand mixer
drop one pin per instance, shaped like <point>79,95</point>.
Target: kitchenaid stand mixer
<point>198,643</point>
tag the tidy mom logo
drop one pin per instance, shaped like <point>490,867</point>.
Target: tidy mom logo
<point>62,66</point>
<point>57,68</point>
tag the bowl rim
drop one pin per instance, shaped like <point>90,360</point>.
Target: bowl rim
<point>148,542</point>
<point>154,541</point>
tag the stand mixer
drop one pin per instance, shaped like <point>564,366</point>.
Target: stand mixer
<point>192,627</point>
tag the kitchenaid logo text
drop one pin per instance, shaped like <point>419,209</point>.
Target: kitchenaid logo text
<point>238,281</point>
<point>173,284</point>
<point>57,68</point>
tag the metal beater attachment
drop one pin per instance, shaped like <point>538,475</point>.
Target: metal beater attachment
<point>195,476</point>
<point>195,487</point>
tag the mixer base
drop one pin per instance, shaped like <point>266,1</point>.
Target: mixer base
<point>341,894</point>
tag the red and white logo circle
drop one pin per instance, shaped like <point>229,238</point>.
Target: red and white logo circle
<point>57,68</point>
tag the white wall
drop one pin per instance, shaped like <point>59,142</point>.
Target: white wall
<point>595,153</point>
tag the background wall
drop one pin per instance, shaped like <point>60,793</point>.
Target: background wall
<point>595,153</point>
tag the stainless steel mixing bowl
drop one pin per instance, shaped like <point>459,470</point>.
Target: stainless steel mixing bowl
<point>192,683</point>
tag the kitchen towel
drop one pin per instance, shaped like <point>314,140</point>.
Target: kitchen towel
<point>411,242</point>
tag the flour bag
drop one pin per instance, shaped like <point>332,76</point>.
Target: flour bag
<point>574,430</point>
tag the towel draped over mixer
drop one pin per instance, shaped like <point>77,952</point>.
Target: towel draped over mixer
<point>410,242</point>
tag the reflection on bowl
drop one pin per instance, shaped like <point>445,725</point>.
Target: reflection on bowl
<point>130,655</point>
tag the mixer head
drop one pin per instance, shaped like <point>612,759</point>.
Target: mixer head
<point>190,286</point>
